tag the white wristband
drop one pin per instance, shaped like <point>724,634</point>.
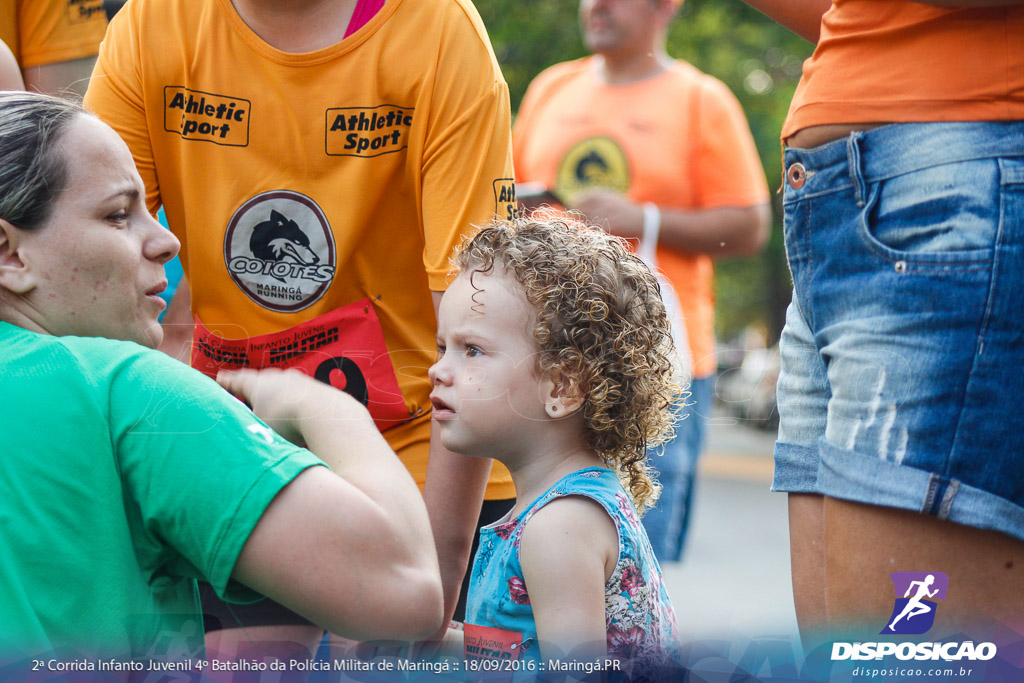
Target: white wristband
<point>652,224</point>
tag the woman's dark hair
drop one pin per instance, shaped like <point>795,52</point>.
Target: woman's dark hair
<point>32,169</point>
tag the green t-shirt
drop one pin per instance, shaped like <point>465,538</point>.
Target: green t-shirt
<point>124,476</point>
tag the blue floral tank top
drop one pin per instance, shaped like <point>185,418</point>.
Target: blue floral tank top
<point>640,620</point>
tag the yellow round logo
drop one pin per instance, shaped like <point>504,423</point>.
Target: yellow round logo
<point>593,162</point>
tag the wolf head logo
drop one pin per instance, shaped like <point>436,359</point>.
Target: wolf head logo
<point>280,239</point>
<point>280,251</point>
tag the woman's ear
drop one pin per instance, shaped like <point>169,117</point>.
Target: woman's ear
<point>561,398</point>
<point>14,274</point>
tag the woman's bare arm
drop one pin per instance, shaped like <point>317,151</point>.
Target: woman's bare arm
<point>802,17</point>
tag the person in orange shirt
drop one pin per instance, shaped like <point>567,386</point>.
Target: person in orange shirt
<point>319,161</point>
<point>54,41</point>
<point>900,444</point>
<point>649,147</point>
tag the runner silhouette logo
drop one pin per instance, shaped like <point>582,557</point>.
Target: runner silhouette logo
<point>916,593</point>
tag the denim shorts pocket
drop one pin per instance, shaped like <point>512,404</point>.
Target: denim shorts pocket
<point>944,216</point>
<point>1012,171</point>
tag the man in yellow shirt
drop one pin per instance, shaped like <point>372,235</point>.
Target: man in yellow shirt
<point>54,41</point>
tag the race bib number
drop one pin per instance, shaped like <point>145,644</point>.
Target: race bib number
<point>344,348</point>
<point>484,642</point>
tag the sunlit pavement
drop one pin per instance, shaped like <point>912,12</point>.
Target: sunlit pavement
<point>734,579</point>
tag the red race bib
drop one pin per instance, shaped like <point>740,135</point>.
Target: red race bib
<point>344,348</point>
<point>484,642</point>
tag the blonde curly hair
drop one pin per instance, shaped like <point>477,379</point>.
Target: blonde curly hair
<point>601,329</point>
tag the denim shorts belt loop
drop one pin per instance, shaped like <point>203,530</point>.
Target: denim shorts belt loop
<point>901,380</point>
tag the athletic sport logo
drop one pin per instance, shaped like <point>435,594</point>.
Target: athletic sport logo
<point>914,612</point>
<point>206,116</point>
<point>367,131</point>
<point>81,11</point>
<point>279,250</point>
<point>505,197</point>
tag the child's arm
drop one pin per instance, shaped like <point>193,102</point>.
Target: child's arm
<point>568,551</point>
<point>452,644</point>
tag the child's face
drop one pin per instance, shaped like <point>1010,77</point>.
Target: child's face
<point>488,400</point>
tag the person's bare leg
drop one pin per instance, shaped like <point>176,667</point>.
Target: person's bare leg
<point>807,559</point>
<point>865,543</point>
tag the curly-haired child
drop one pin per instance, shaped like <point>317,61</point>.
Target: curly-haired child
<point>555,358</point>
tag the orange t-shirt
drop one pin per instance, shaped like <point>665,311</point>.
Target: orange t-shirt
<point>898,61</point>
<point>47,31</point>
<point>678,139</point>
<point>317,196</point>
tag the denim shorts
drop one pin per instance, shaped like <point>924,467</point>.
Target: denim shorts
<point>903,351</point>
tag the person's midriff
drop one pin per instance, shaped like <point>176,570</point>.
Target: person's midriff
<point>815,136</point>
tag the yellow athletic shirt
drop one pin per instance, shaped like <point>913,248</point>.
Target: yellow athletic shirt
<point>317,196</point>
<point>47,31</point>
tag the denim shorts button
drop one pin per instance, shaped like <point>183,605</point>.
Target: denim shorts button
<point>796,176</point>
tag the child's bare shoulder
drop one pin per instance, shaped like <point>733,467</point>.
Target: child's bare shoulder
<point>569,527</point>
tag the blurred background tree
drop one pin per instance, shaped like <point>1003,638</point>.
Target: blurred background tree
<point>759,60</point>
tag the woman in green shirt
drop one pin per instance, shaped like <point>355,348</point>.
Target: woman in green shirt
<point>126,475</point>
